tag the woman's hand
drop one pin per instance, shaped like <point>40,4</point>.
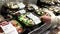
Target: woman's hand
<point>45,18</point>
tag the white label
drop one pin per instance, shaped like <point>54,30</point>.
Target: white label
<point>21,5</point>
<point>22,11</point>
<point>58,1</point>
<point>49,12</point>
<point>34,6</point>
<point>59,32</point>
<point>9,29</point>
<point>34,18</point>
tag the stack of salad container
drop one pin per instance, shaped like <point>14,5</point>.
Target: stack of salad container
<point>25,17</point>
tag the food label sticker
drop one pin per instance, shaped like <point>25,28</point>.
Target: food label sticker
<point>21,5</point>
<point>34,18</point>
<point>22,11</point>
<point>9,29</point>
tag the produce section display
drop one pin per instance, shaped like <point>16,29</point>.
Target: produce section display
<point>25,17</point>
<point>20,14</point>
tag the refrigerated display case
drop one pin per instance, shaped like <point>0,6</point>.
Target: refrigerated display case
<point>25,16</point>
<point>13,10</point>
